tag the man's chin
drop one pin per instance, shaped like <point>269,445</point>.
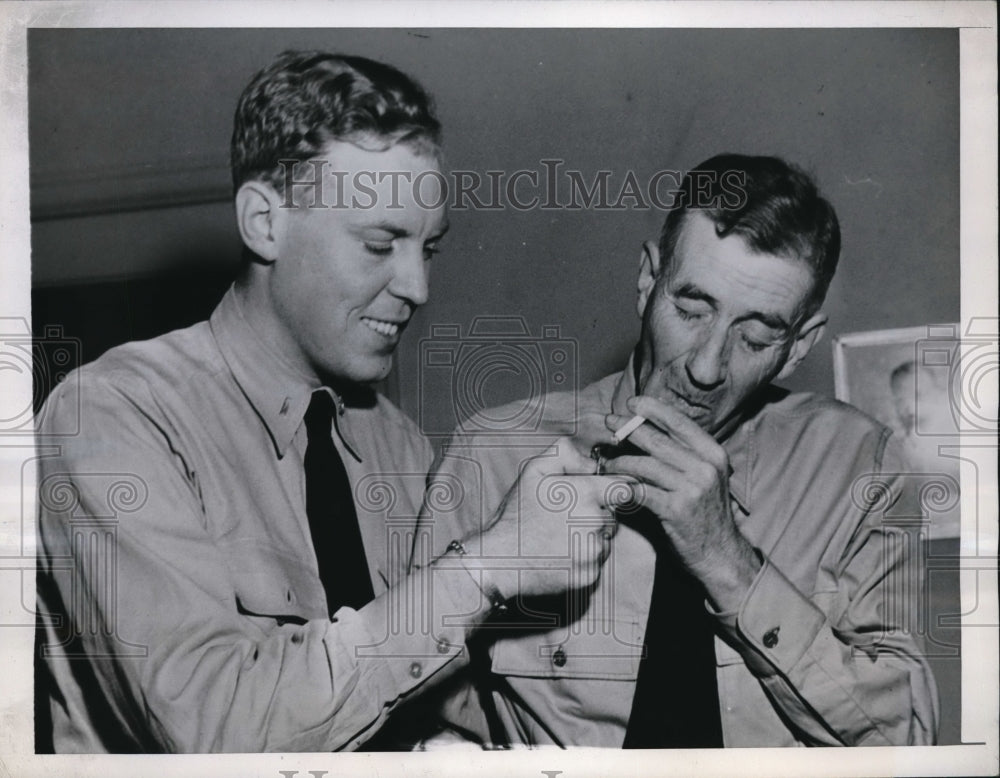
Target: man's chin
<point>373,376</point>
<point>362,374</point>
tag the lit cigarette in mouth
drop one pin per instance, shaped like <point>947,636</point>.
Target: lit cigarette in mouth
<point>629,427</point>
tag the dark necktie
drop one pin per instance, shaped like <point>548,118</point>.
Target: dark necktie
<point>676,702</point>
<point>333,521</point>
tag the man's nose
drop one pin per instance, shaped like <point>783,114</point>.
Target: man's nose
<point>707,361</point>
<point>410,279</point>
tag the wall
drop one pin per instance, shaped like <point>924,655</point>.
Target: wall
<point>129,134</point>
<point>132,230</point>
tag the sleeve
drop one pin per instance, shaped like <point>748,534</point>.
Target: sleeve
<point>146,644</point>
<point>848,669</point>
<point>460,705</point>
<point>476,492</point>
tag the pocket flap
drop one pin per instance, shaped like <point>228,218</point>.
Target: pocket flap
<point>270,581</point>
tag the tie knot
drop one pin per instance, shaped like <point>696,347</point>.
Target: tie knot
<point>320,413</point>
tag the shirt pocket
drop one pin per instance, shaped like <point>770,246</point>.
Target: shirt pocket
<point>611,653</point>
<point>274,584</point>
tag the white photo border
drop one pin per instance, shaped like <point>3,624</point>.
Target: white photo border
<point>978,49</point>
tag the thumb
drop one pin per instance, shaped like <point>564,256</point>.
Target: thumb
<point>564,457</point>
<point>618,492</point>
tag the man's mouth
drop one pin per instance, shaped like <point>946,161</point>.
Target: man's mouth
<point>688,406</point>
<point>383,327</point>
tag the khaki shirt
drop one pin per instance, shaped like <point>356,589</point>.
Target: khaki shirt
<point>180,599</point>
<point>822,650</point>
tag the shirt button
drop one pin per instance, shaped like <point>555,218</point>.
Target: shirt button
<point>771,637</point>
<point>443,646</point>
<point>416,670</point>
<point>559,657</point>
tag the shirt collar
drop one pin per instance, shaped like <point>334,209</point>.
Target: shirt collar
<point>278,392</point>
<point>736,444</point>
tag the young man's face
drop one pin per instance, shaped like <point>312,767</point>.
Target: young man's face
<point>719,323</point>
<point>347,280</point>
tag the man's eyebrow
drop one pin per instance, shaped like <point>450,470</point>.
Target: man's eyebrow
<point>772,320</point>
<point>400,232</point>
<point>394,230</point>
<point>691,292</point>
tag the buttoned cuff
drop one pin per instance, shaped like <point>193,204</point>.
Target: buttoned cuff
<point>775,624</point>
<point>403,639</point>
<point>777,619</point>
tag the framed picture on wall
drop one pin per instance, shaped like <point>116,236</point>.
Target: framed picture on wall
<point>909,380</point>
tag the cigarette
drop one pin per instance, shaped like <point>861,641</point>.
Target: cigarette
<point>629,427</point>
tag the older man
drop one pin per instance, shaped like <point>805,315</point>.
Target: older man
<point>220,564</point>
<point>759,591</point>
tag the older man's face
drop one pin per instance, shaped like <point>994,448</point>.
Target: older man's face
<point>348,279</point>
<point>719,322</point>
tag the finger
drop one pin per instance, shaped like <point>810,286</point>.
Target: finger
<point>616,491</point>
<point>679,426</point>
<point>648,470</point>
<point>591,430</point>
<point>606,493</point>
<point>585,445</point>
<point>661,503</point>
<point>626,429</point>
<point>602,542</point>
<point>659,444</point>
<point>604,534</point>
<point>666,416</point>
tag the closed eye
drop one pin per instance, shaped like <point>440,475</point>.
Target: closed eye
<point>754,345</point>
<point>759,341</point>
<point>378,248</point>
<point>690,314</point>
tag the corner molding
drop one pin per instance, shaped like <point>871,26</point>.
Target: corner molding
<point>154,185</point>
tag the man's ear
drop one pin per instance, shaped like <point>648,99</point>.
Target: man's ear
<point>808,336</point>
<point>260,218</point>
<point>649,269</point>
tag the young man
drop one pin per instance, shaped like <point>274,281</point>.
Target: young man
<point>222,562</point>
<point>760,591</point>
